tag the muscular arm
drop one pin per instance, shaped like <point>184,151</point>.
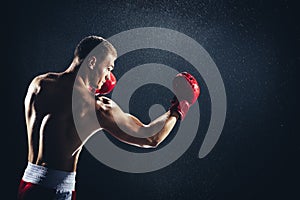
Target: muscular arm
<point>131,130</point>
<point>33,119</point>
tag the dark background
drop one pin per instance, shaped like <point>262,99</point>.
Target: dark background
<point>255,45</point>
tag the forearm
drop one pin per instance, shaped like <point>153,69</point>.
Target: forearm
<point>169,124</point>
<point>151,135</point>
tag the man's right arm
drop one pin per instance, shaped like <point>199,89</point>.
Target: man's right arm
<point>129,129</point>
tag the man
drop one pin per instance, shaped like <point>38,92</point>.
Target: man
<point>53,141</point>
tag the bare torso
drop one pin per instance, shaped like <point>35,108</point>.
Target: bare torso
<point>53,139</point>
<point>52,136</point>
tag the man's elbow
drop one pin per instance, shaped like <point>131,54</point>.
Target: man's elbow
<point>154,143</point>
<point>149,144</point>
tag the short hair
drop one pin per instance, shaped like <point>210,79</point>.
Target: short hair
<point>87,44</point>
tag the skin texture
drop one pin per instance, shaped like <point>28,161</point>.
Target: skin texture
<point>52,137</point>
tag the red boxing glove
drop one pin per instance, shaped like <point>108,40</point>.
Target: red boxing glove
<point>187,91</point>
<point>107,86</point>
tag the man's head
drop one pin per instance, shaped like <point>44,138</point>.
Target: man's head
<point>97,56</point>
<point>87,44</point>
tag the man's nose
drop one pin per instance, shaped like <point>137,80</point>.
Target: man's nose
<point>107,77</point>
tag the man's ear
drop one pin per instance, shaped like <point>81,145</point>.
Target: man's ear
<point>92,62</point>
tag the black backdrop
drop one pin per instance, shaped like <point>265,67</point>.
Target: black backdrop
<point>255,46</point>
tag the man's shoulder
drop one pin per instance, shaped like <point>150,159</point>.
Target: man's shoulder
<point>44,78</point>
<point>43,81</point>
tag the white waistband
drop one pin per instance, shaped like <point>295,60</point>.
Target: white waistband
<point>50,178</point>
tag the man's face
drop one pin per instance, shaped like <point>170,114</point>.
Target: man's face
<point>102,70</point>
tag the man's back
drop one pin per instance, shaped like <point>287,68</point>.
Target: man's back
<point>52,136</point>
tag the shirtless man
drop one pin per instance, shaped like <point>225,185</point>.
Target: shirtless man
<point>53,141</point>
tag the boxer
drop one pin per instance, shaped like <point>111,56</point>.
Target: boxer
<point>53,142</point>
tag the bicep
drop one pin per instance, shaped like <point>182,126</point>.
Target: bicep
<point>119,124</point>
<point>112,118</point>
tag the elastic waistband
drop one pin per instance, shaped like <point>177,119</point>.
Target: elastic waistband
<point>50,178</point>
